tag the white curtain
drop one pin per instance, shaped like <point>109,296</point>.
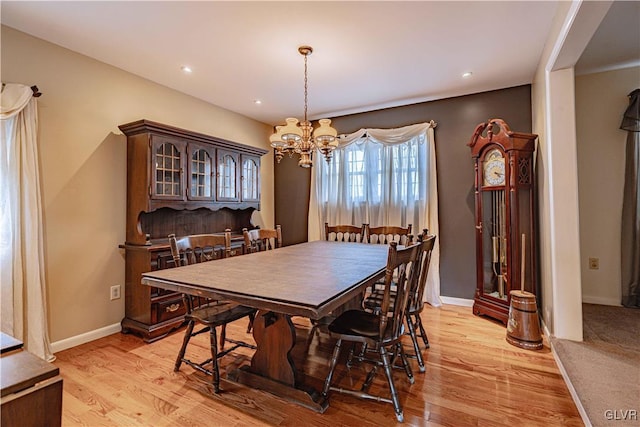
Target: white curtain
<point>24,314</point>
<point>381,177</point>
<point>630,259</point>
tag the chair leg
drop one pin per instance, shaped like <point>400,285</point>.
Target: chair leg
<point>223,336</point>
<point>352,349</point>
<point>414,339</point>
<point>252,316</point>
<point>312,333</point>
<point>185,341</point>
<point>214,357</point>
<point>363,351</point>
<point>423,333</point>
<point>405,363</point>
<point>332,367</point>
<point>394,393</point>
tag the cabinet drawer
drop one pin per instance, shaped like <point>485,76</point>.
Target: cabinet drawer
<point>165,310</point>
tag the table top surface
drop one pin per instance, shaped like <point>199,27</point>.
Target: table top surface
<point>307,279</point>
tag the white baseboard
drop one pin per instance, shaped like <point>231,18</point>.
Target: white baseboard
<point>601,300</point>
<point>85,338</point>
<point>572,390</point>
<point>457,301</point>
<point>545,330</point>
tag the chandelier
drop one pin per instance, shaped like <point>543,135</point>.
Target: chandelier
<point>303,139</point>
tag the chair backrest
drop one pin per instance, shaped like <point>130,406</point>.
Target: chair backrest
<point>198,248</point>
<point>388,233</point>
<point>427,242</point>
<point>400,277</point>
<point>262,239</point>
<point>343,233</point>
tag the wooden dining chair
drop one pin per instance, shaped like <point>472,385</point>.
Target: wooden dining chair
<point>338,233</point>
<point>385,234</point>
<point>380,331</point>
<point>416,301</point>
<point>343,233</point>
<point>203,311</point>
<point>373,302</point>
<point>261,239</point>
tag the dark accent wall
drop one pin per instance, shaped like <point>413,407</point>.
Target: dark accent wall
<point>291,199</point>
<point>456,119</point>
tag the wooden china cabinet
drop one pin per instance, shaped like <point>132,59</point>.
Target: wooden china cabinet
<point>179,182</point>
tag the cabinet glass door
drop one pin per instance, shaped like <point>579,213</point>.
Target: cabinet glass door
<point>250,179</point>
<point>227,176</point>
<point>167,179</point>
<point>201,182</point>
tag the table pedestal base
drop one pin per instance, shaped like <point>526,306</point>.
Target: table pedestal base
<point>272,368</point>
<point>310,398</point>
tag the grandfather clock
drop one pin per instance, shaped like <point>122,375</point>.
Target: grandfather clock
<point>504,216</point>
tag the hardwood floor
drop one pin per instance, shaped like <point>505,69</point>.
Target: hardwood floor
<point>473,378</point>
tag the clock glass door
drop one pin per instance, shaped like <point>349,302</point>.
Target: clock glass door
<point>494,244</point>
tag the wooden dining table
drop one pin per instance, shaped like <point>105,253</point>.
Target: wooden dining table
<point>310,279</point>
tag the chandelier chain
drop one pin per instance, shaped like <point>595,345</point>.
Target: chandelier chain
<point>306,95</point>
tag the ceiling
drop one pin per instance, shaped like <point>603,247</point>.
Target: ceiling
<point>367,55</point>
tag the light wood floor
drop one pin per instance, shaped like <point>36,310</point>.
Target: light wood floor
<point>474,378</point>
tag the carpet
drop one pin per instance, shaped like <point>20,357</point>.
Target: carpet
<point>604,369</point>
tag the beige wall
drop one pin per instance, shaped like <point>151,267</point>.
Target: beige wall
<point>601,99</point>
<point>83,168</point>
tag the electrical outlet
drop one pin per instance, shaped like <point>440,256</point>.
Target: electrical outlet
<point>115,292</point>
<point>594,263</point>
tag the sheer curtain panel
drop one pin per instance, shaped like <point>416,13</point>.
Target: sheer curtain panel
<point>381,177</point>
<point>24,314</point>
<point>630,259</point>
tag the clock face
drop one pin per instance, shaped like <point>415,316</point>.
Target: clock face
<point>493,169</point>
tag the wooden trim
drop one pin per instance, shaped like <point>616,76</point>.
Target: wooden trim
<point>143,126</point>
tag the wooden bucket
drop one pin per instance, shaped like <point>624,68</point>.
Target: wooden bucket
<point>523,326</point>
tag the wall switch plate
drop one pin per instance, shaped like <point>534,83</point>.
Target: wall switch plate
<point>594,263</point>
<point>115,292</point>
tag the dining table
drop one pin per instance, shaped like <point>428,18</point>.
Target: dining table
<point>311,279</point>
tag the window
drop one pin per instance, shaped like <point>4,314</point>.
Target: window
<point>355,174</point>
<point>381,177</point>
<point>369,181</point>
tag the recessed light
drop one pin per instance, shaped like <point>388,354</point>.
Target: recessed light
<point>467,74</point>
<point>186,69</point>
<point>257,101</point>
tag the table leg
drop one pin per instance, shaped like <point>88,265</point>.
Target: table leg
<point>272,368</point>
<point>275,336</point>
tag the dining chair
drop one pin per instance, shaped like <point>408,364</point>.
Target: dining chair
<point>338,233</point>
<point>203,311</point>
<point>380,331</point>
<point>261,239</point>
<point>343,233</point>
<point>385,234</point>
<point>373,302</point>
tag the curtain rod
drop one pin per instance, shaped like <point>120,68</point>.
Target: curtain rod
<point>36,92</point>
